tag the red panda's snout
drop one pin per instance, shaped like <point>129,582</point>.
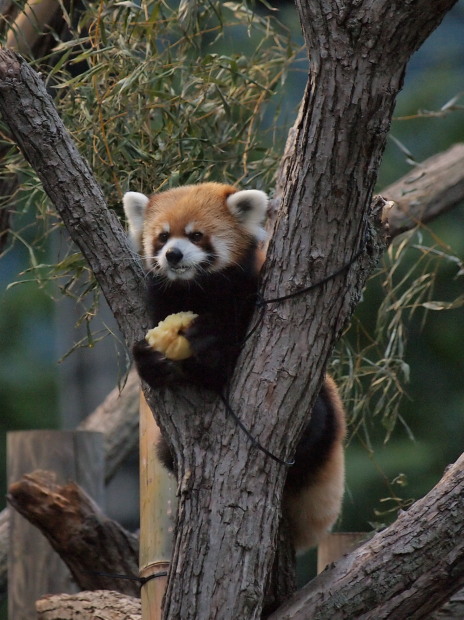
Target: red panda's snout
<point>173,257</point>
<point>182,259</point>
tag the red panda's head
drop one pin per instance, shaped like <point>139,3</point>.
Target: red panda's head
<point>195,229</point>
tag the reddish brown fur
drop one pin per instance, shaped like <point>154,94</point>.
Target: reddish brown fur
<point>204,205</point>
<point>313,512</point>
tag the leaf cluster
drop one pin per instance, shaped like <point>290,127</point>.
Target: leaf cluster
<point>165,99</point>
<point>373,358</point>
<point>155,95</point>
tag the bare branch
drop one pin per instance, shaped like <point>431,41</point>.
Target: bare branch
<point>79,532</point>
<point>431,188</point>
<point>407,571</point>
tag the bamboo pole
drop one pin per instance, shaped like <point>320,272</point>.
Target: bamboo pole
<point>157,511</point>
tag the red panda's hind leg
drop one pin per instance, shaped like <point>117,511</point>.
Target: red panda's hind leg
<point>315,483</point>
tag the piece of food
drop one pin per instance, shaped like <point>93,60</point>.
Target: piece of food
<point>167,337</point>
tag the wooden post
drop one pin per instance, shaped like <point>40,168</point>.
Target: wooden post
<point>34,568</point>
<point>157,511</point>
<point>336,545</point>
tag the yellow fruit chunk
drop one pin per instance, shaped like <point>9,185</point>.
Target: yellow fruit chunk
<point>166,339</point>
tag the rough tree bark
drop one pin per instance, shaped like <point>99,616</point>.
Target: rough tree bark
<point>101,604</point>
<point>89,543</point>
<point>431,188</point>
<point>229,492</point>
<point>382,579</point>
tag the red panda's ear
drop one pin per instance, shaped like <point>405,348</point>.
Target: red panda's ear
<point>249,206</point>
<point>135,205</point>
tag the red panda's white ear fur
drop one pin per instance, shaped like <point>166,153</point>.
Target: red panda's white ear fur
<point>134,205</point>
<point>249,206</point>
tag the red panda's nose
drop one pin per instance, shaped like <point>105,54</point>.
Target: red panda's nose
<point>174,256</point>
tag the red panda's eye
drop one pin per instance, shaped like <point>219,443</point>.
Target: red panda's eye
<point>163,237</point>
<point>195,237</point>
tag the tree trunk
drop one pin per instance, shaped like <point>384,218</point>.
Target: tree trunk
<point>230,493</point>
<point>117,416</point>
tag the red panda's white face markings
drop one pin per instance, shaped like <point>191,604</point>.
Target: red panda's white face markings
<point>195,229</point>
<point>181,251</point>
<point>179,255</point>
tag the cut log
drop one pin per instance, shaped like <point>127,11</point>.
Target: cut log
<point>95,548</point>
<point>101,604</point>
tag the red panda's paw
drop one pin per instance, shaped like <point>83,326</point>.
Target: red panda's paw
<point>153,367</point>
<point>205,337</point>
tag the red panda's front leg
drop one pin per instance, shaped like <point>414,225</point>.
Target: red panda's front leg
<point>216,340</point>
<point>205,335</point>
<point>209,366</point>
<point>153,367</point>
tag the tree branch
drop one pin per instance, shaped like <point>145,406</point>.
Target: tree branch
<point>431,188</point>
<point>98,604</point>
<point>407,571</point>
<point>86,540</point>
<point>68,181</point>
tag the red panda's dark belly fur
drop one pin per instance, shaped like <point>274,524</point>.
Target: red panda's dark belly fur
<point>224,301</point>
<point>228,296</point>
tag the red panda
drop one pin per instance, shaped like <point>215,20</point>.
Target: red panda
<point>201,250</point>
